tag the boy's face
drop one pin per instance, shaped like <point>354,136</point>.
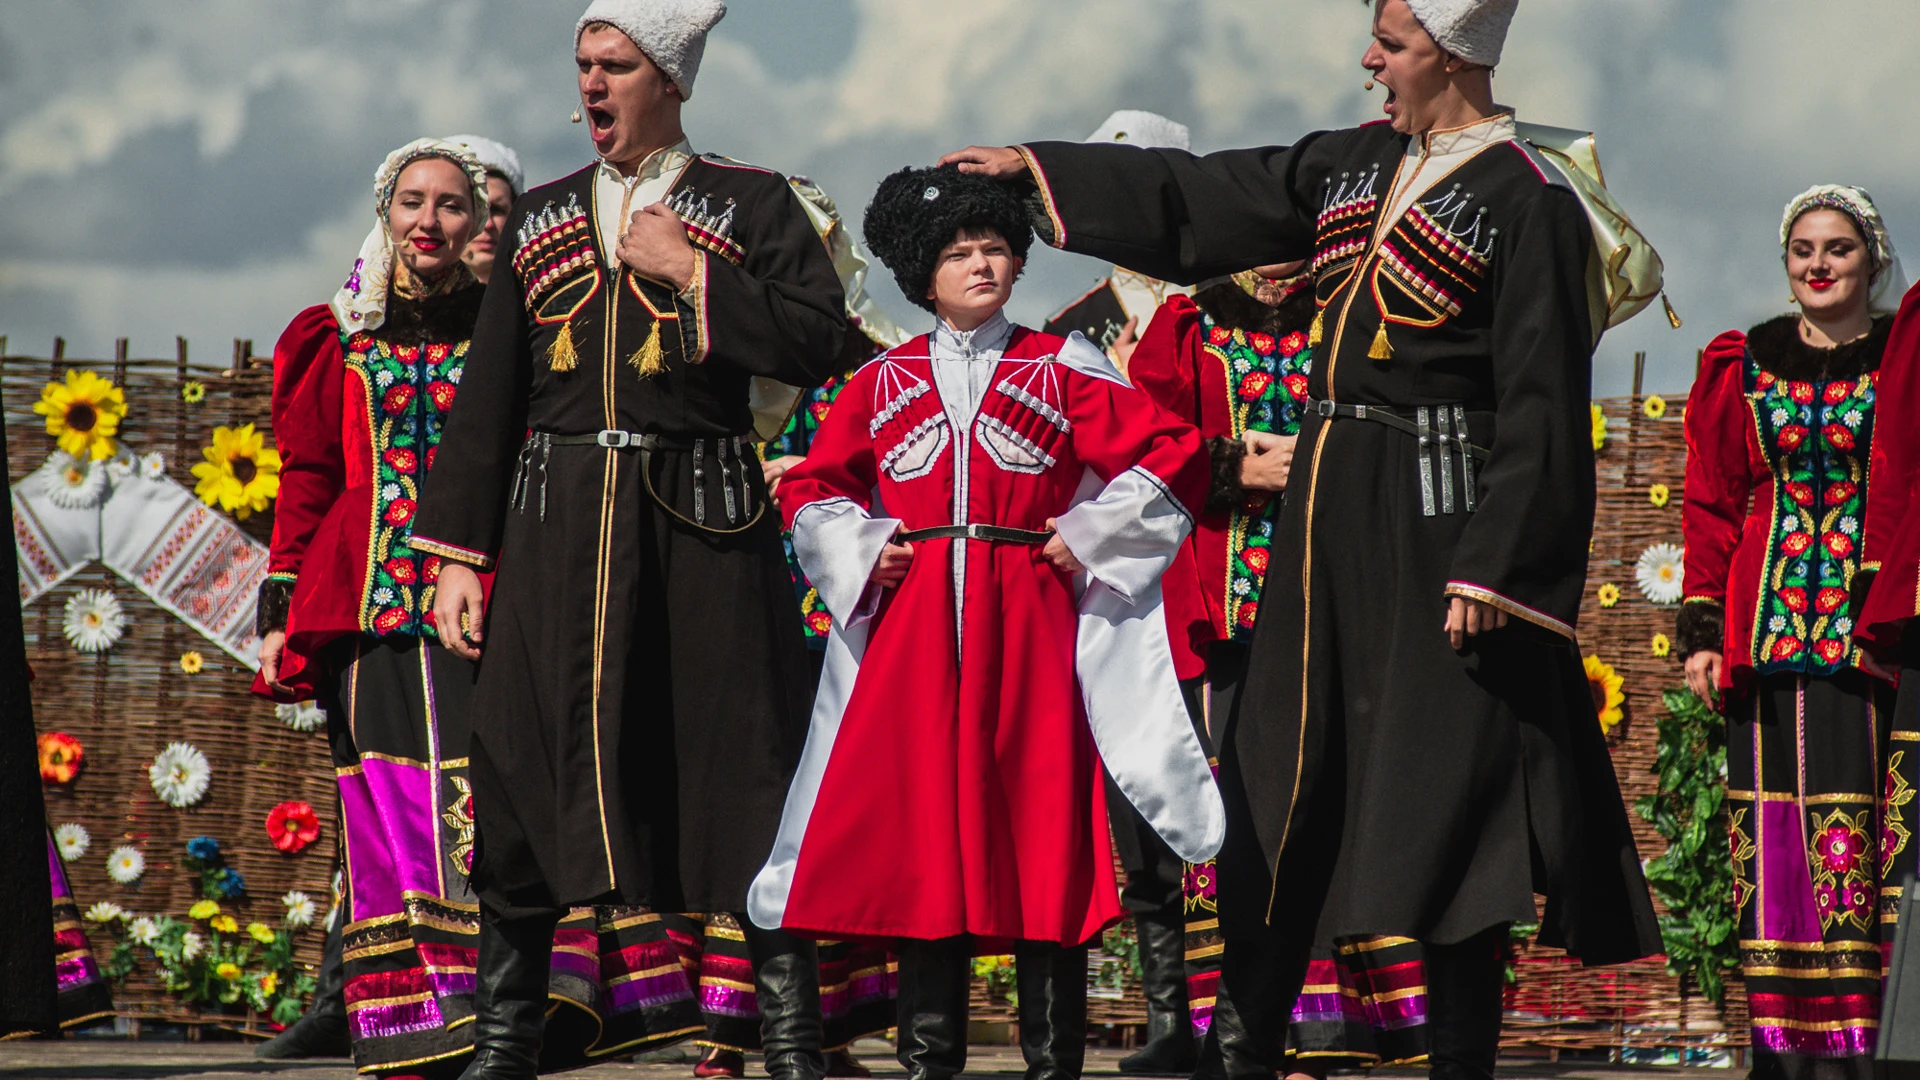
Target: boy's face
<point>973,278</point>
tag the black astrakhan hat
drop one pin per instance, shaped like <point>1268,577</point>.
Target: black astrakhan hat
<point>916,212</point>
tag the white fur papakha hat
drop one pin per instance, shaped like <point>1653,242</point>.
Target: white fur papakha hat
<point>497,157</point>
<point>1473,30</point>
<point>673,33</point>
<point>1143,129</point>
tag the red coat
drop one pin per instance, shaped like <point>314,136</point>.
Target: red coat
<point>1893,518</point>
<point>353,454</point>
<point>963,791</point>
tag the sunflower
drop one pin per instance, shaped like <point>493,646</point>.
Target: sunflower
<point>241,475</point>
<point>1658,495</point>
<point>1599,428</point>
<point>1660,571</point>
<point>191,662</point>
<point>1609,594</point>
<point>1655,406</point>
<point>126,864</point>
<point>72,840</point>
<point>193,391</point>
<point>1604,684</point>
<point>60,757</point>
<point>83,413</point>
<point>1662,647</point>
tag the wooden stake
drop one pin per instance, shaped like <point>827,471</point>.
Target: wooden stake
<point>1639,371</point>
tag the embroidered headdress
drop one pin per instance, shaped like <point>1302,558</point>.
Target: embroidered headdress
<point>1889,278</point>
<point>498,158</point>
<point>1473,30</point>
<point>916,212</point>
<point>361,303</point>
<point>673,33</point>
<point>1144,129</point>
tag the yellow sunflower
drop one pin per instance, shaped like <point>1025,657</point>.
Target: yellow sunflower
<point>1655,406</point>
<point>1658,494</point>
<point>191,662</point>
<point>241,475</point>
<point>1599,428</point>
<point>193,391</point>
<point>1661,646</point>
<point>83,413</point>
<point>1604,684</point>
<point>1609,594</point>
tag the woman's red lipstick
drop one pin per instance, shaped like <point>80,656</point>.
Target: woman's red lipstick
<point>427,243</point>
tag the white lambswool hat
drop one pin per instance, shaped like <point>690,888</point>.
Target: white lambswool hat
<point>1473,30</point>
<point>673,33</point>
<point>1143,129</point>
<point>497,157</point>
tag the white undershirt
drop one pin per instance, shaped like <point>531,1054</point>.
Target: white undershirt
<point>619,197</point>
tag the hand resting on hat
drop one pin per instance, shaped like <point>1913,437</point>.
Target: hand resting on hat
<point>992,162</point>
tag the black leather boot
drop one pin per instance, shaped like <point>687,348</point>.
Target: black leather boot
<point>786,976</point>
<point>322,1032</point>
<point>1465,986</point>
<point>510,996</point>
<point>935,977</point>
<point>1053,1008</point>
<point>1163,979</point>
<point>1252,1008</point>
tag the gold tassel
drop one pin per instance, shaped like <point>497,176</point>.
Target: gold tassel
<point>1672,315</point>
<point>1319,328</point>
<point>561,355</point>
<point>650,360</point>
<point>1382,348</point>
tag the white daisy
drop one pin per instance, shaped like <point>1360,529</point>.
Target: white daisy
<point>72,840</point>
<point>383,378</point>
<point>126,864</point>
<point>190,945</point>
<point>383,595</point>
<point>1852,420</point>
<point>1848,525</point>
<point>454,375</point>
<point>94,621</point>
<point>1659,573</point>
<point>1242,587</point>
<point>153,466</point>
<point>305,716</point>
<point>180,774</point>
<point>1778,416</point>
<point>143,931</point>
<point>300,909</point>
<point>1776,624</point>
<point>105,911</point>
<point>74,483</point>
<point>1843,625</point>
<point>390,492</point>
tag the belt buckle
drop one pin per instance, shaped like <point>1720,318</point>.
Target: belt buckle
<point>614,438</point>
<point>973,531</point>
<point>1324,407</point>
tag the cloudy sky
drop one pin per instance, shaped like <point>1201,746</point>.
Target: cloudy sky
<point>202,167</point>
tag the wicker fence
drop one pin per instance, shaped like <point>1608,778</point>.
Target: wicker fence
<point>124,705</point>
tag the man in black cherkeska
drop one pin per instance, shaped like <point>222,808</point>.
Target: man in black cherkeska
<point>1415,753</point>
<point>643,688</point>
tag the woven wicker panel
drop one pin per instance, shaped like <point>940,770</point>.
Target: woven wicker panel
<point>126,704</point>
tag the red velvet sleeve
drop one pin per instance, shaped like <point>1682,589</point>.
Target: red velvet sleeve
<point>839,462</point>
<point>1892,551</point>
<point>1718,483</point>
<point>307,388</point>
<point>1162,363</point>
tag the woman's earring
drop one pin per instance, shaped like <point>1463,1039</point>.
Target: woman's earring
<point>576,114</point>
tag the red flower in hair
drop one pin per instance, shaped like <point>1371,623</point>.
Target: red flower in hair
<point>292,826</point>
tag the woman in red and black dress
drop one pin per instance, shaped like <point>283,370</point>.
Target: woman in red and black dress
<point>362,387</point>
<point>1820,776</point>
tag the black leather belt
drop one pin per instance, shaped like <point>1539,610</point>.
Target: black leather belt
<point>733,453</point>
<point>995,533</point>
<point>1441,426</point>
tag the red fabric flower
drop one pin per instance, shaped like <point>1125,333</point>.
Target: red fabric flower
<point>430,570</point>
<point>60,757</point>
<point>1765,380</point>
<point>1795,598</point>
<point>399,396</point>
<point>1837,392</point>
<point>1839,436</point>
<point>820,622</point>
<point>1792,436</point>
<point>1840,491</point>
<point>1262,343</point>
<point>1256,559</point>
<point>399,512</point>
<point>1296,385</point>
<point>1839,543</point>
<point>1795,543</point>
<point>1248,612</point>
<point>292,826</point>
<point>401,458</point>
<point>430,452</point>
<point>1291,345</point>
<point>1840,848</point>
<point>441,391</point>
<point>389,620</point>
<point>1801,392</point>
<point>407,354</point>
<point>1829,599</point>
<point>1219,335</point>
<point>359,342</point>
<point>401,570</point>
<point>1787,648</point>
<point>1800,492</point>
<point>820,410</point>
<point>437,353</point>
<point>1254,385</point>
<point>1830,650</point>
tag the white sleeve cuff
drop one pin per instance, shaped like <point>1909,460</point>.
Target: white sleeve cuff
<point>838,544</point>
<point>1128,536</point>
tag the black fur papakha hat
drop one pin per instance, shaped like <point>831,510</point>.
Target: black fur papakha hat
<point>916,212</point>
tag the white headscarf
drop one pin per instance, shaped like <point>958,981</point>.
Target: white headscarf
<point>1889,278</point>
<point>498,157</point>
<point>361,303</point>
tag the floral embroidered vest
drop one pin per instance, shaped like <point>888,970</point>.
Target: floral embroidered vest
<point>1815,436</point>
<point>1266,391</point>
<point>409,389</point>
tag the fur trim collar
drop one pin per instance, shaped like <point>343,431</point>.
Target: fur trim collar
<point>1776,346</point>
<point>446,318</point>
<point>1230,306</point>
